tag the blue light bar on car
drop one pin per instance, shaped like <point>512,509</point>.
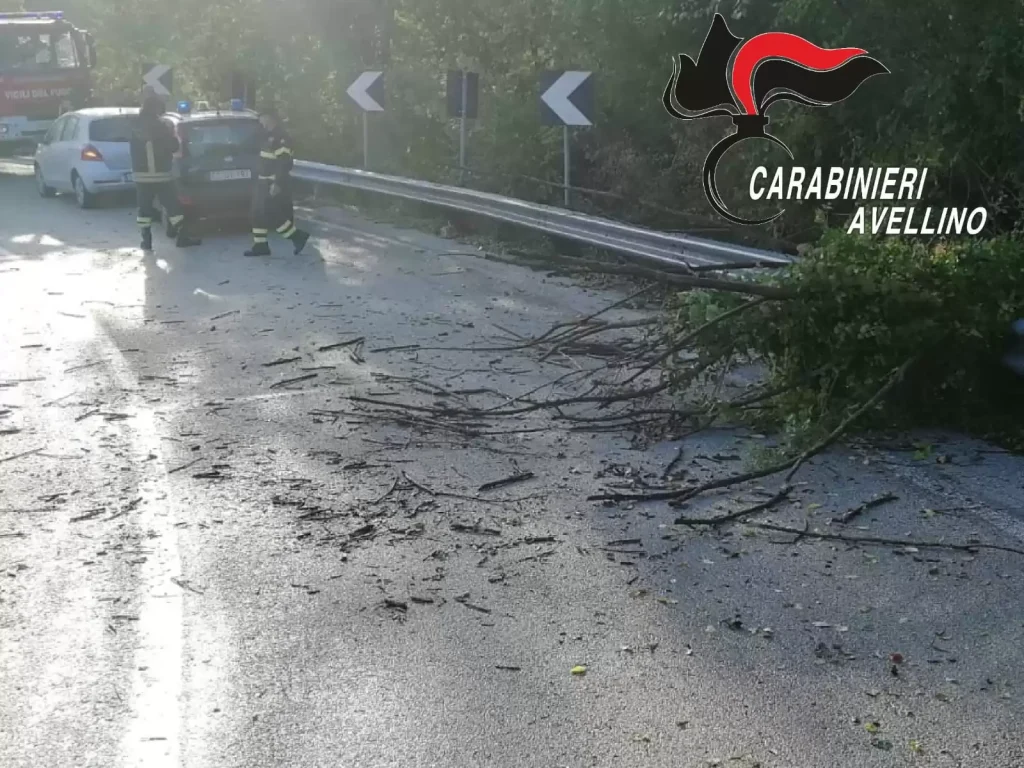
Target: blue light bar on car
<point>184,107</point>
<point>237,105</point>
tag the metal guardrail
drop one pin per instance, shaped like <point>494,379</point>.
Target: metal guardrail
<point>648,245</point>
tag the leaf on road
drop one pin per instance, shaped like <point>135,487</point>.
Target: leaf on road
<point>579,669</point>
<point>872,727</point>
<point>821,624</point>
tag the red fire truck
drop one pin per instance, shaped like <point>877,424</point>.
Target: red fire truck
<point>45,70</point>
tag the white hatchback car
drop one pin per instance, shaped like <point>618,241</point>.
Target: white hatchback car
<point>87,153</point>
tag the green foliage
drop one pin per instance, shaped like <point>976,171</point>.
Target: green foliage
<point>861,308</point>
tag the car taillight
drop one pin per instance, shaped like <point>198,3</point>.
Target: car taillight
<point>90,152</point>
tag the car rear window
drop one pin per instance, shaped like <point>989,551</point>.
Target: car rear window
<point>210,136</point>
<point>115,129</point>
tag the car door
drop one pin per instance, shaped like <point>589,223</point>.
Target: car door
<point>47,149</point>
<point>64,154</point>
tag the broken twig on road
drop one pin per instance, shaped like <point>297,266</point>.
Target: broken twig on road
<point>793,465</point>
<point>21,455</point>
<point>850,514</point>
<point>884,540</point>
<point>295,380</point>
<point>494,484</point>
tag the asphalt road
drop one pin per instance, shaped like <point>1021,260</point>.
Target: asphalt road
<point>213,557</point>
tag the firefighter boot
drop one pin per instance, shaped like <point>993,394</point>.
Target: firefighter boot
<point>184,241</point>
<point>258,249</point>
<point>299,240</point>
<point>147,240</point>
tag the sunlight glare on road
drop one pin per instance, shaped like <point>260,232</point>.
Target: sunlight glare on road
<point>40,239</point>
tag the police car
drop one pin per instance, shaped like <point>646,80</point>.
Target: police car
<point>217,160</point>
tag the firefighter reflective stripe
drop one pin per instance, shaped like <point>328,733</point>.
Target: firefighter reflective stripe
<point>287,229</point>
<point>176,220</point>
<point>282,151</point>
<point>144,221</point>
<point>259,240</point>
<point>150,157</point>
<point>267,155</point>
<point>259,235</point>
<point>267,178</point>
<point>142,177</point>
<point>258,231</point>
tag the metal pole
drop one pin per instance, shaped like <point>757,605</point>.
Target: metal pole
<point>462,128</point>
<point>565,160</point>
<point>366,142</point>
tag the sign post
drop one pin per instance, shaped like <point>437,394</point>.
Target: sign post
<point>366,141</point>
<point>462,124</point>
<point>566,154</point>
<point>462,96</point>
<point>368,92</point>
<point>566,99</point>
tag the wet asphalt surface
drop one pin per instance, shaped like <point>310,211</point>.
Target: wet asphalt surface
<point>212,557</point>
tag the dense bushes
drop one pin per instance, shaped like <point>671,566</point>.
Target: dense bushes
<point>860,308</point>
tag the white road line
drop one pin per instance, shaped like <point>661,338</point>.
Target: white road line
<point>152,738</point>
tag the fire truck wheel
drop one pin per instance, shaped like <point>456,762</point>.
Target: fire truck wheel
<point>44,191</point>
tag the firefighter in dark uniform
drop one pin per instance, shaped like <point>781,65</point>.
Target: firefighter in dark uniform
<point>153,145</point>
<point>272,206</point>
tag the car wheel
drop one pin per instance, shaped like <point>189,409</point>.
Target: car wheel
<point>83,196</point>
<point>44,190</point>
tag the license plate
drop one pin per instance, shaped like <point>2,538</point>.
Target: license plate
<point>229,175</point>
<point>127,178</point>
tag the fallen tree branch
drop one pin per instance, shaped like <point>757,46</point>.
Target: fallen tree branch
<point>886,540</point>
<point>683,343</point>
<point>793,465</point>
<point>568,339</point>
<point>586,319</point>
<point>688,281</point>
<point>601,399</point>
<point>782,493</point>
<point>894,377</point>
<point>850,514</point>
<point>465,497</point>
